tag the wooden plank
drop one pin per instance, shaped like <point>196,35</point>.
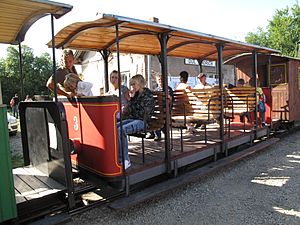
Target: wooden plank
<point>24,189</point>
<point>44,178</point>
<point>40,188</point>
<point>19,197</point>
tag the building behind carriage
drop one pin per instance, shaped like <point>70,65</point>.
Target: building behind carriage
<point>91,66</point>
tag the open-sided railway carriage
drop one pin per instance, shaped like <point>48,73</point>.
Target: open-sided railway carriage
<point>113,33</point>
<point>71,140</point>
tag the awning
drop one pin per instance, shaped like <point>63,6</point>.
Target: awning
<point>141,37</point>
<point>16,16</point>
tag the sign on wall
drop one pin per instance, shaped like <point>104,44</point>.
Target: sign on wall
<point>204,62</point>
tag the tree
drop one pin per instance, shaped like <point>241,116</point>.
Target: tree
<point>36,71</point>
<point>282,32</point>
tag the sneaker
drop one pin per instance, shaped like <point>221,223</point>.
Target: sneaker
<point>157,138</point>
<point>263,124</point>
<point>150,136</point>
<point>127,164</point>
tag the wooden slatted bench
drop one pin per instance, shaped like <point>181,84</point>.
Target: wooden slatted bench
<point>198,106</point>
<point>211,98</point>
<point>157,121</point>
<point>243,99</point>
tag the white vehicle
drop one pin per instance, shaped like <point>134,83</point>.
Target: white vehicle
<point>12,124</point>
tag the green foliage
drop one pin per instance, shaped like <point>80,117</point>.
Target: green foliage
<point>282,32</point>
<point>36,71</point>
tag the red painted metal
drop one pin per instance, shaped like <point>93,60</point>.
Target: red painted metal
<point>92,124</point>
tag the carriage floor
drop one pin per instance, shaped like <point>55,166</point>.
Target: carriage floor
<point>194,147</point>
<point>30,183</point>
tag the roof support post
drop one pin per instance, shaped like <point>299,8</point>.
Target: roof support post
<point>254,76</point>
<point>21,72</point>
<point>163,39</point>
<point>200,65</point>
<point>53,58</point>
<point>269,71</point>
<point>270,87</point>
<point>120,103</point>
<point>219,72</point>
<point>105,54</point>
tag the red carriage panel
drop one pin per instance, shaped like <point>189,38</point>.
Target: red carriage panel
<point>92,127</point>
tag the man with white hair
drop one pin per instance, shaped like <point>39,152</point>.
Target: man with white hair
<point>202,82</point>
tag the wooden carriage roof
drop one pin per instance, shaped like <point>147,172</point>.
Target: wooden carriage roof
<point>18,15</point>
<point>262,59</point>
<point>141,37</point>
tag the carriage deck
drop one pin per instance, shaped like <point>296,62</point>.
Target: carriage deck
<point>194,149</point>
<point>31,183</point>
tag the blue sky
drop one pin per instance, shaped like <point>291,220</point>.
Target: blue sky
<point>226,18</point>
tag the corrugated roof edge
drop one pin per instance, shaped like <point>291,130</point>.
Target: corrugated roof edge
<point>65,9</point>
<point>247,54</point>
<point>172,28</point>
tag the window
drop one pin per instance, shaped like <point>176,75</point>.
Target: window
<point>278,74</point>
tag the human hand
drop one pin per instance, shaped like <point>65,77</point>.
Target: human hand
<point>131,93</point>
<point>71,94</point>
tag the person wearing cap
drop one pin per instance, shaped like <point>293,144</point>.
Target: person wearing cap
<point>202,82</point>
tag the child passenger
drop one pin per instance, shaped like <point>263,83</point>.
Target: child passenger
<point>136,115</point>
<point>261,101</point>
<point>74,84</point>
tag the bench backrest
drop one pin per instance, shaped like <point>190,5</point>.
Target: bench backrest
<point>243,98</point>
<point>183,103</point>
<point>210,98</point>
<point>159,116</point>
<point>201,103</point>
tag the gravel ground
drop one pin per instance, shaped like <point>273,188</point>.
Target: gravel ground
<point>261,189</point>
<point>16,144</point>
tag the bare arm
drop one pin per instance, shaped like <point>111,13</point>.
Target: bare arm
<point>60,90</point>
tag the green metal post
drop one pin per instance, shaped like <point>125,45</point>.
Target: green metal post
<point>8,209</point>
